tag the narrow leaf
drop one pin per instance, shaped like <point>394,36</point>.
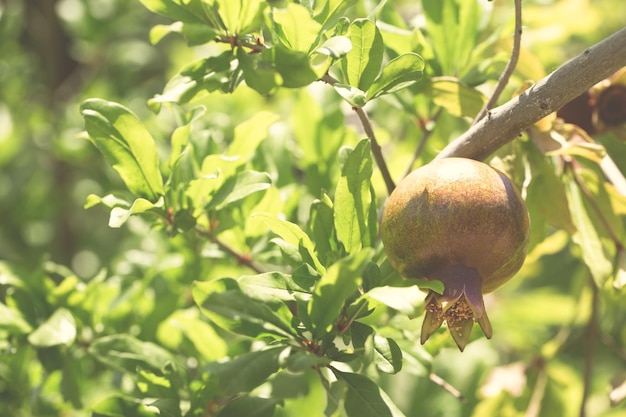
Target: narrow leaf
<point>127,353</point>
<point>126,145</point>
<point>238,187</point>
<point>362,64</point>
<point>399,73</point>
<point>223,303</point>
<point>249,407</point>
<point>118,406</point>
<point>292,234</point>
<point>339,282</point>
<point>594,254</point>
<point>274,286</point>
<point>353,199</point>
<point>387,355</point>
<point>364,398</point>
<point>246,372</point>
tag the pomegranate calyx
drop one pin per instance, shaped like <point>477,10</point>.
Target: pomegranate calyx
<point>460,304</point>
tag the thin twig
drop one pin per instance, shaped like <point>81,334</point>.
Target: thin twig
<point>447,386</point>
<point>376,149</point>
<point>503,80</point>
<point>428,131</point>
<point>369,131</point>
<point>504,123</point>
<point>241,258</point>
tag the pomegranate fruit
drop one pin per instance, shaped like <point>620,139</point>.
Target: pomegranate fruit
<point>463,223</point>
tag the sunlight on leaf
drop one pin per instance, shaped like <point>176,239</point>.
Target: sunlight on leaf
<point>362,64</point>
<point>59,329</point>
<point>126,144</point>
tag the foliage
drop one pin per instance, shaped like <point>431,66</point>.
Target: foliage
<point>242,273</point>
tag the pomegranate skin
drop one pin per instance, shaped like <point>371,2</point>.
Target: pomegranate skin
<point>462,222</point>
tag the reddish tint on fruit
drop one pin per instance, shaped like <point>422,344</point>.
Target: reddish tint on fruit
<point>461,222</point>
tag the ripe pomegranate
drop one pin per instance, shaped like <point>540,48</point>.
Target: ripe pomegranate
<point>463,223</point>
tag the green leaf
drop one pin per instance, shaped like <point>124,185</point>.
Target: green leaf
<point>335,47</point>
<point>246,372</point>
<point>401,72</point>
<point>294,67</point>
<point>198,79</point>
<point>187,324</point>
<point>362,64</point>
<point>295,27</point>
<point>59,329</point>
<point>173,9</point>
<point>593,252</point>
<point>12,321</point>
<point>120,215</point>
<point>620,277</point>
<point>110,201</point>
<point>332,12</point>
<point>353,199</point>
<point>238,187</point>
<point>323,57</point>
<point>364,398</point>
<point>258,71</point>
<point>249,134</point>
<point>322,227</point>
<point>241,16</point>
<point>126,145</point>
<point>354,96</point>
<point>271,287</point>
<point>127,353</point>
<point>292,234</point>
<point>453,28</point>
<point>194,33</point>
<point>457,98</point>
<point>544,183</point>
<point>118,406</point>
<point>387,355</point>
<point>249,407</point>
<point>223,302</point>
<point>340,281</point>
<point>407,300</point>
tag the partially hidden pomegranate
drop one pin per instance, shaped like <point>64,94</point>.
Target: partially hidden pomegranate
<point>462,222</point>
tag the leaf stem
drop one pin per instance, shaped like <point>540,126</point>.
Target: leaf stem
<point>447,387</point>
<point>503,80</point>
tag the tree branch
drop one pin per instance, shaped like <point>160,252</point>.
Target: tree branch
<point>506,122</point>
